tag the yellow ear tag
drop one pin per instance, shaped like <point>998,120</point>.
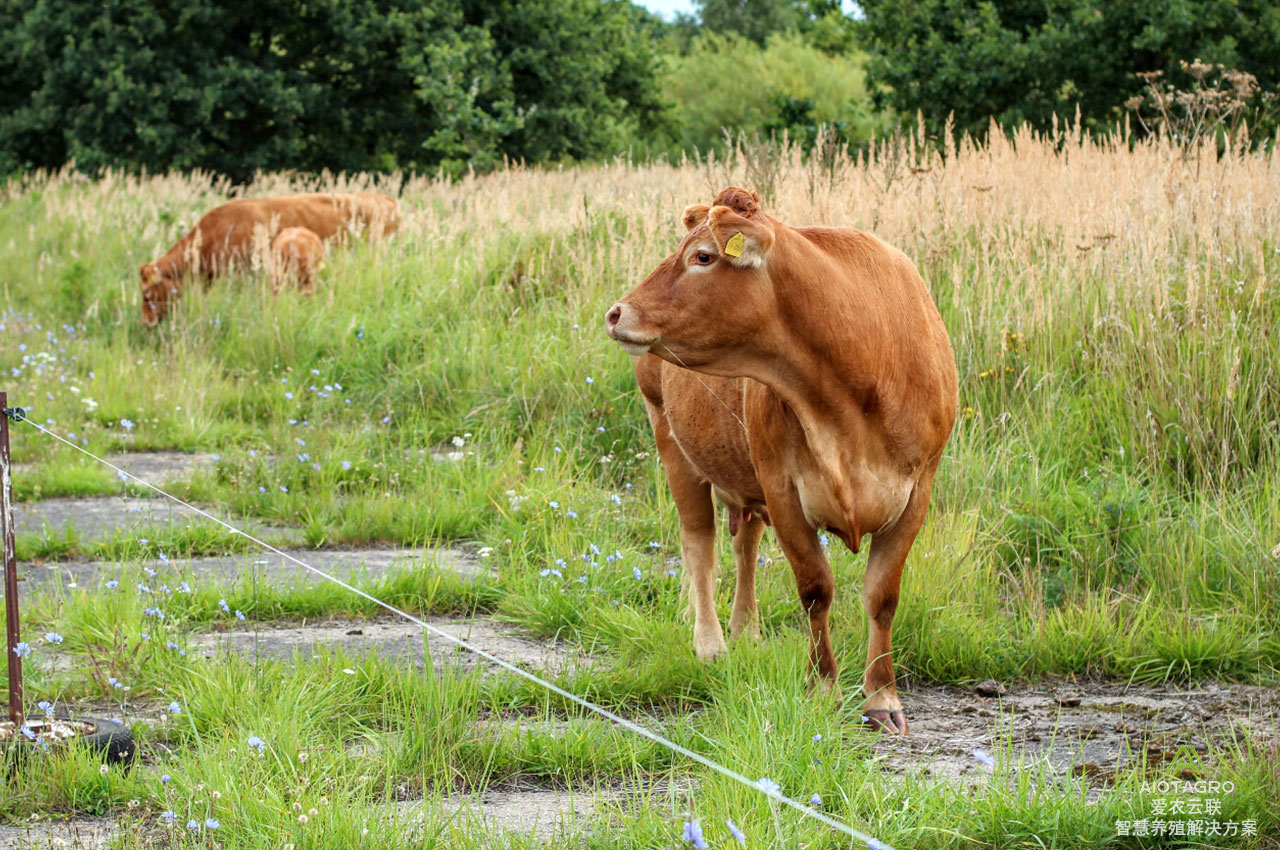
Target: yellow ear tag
<point>735,245</point>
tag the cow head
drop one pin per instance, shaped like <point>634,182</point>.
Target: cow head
<point>157,290</point>
<point>708,300</point>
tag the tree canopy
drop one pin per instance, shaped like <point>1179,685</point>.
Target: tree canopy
<point>1027,60</point>
<point>234,86</point>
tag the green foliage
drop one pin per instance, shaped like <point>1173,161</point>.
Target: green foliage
<point>754,20</point>
<point>235,87</point>
<point>820,21</point>
<point>1021,61</point>
<point>728,83</point>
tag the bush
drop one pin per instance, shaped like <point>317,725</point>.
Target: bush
<point>1027,62</point>
<point>729,83</point>
<point>339,84</point>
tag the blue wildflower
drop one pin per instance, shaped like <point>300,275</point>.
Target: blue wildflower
<point>346,464</point>
<point>22,649</point>
<point>193,825</point>
<point>222,603</point>
<point>239,614</point>
<point>257,743</point>
<point>53,637</point>
<point>590,380</point>
<point>168,816</point>
<point>211,823</point>
<point>815,800</point>
<point>736,833</point>
<point>174,708</point>
<point>984,757</point>
<point>817,737</point>
<point>768,786</point>
<point>165,779</point>
<point>693,834</point>
<point>126,424</point>
<point>635,571</point>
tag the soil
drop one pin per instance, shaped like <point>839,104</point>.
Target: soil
<point>1076,728</point>
<point>395,640</point>
<point>270,568</point>
<point>96,518</point>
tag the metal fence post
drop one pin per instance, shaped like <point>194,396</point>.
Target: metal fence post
<point>10,567</point>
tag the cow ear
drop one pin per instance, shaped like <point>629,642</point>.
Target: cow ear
<point>694,215</point>
<point>744,242</point>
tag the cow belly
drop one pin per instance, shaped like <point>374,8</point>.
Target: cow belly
<point>705,416</point>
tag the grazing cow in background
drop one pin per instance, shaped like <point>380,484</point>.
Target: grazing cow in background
<point>803,377</point>
<point>296,254</point>
<point>224,239</point>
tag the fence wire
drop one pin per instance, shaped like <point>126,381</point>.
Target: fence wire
<point>764,786</point>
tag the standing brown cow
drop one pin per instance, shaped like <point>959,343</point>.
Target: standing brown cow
<point>224,238</point>
<point>802,376</point>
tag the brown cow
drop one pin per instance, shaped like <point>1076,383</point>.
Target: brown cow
<point>296,253</point>
<point>224,238</point>
<point>802,376</point>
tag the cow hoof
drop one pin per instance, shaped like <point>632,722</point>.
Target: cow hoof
<point>748,628</point>
<point>711,647</point>
<point>883,720</point>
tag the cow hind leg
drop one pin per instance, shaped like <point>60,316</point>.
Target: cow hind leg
<point>745,619</point>
<point>888,556</point>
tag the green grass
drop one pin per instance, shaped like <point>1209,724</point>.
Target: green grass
<point>1109,505</point>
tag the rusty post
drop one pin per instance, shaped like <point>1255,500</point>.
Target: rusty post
<point>10,568</point>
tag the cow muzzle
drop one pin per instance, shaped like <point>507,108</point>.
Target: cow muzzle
<point>620,323</point>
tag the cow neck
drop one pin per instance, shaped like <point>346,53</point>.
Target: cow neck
<point>820,359</point>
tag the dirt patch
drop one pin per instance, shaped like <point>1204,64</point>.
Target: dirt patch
<point>164,467</point>
<point>1090,729</point>
<point>79,833</point>
<point>100,518</point>
<point>269,568</point>
<point>393,639</point>
<point>545,812</point>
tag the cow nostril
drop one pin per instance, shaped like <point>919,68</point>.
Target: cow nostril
<point>611,318</point>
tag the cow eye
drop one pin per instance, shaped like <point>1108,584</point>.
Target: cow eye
<point>702,258</point>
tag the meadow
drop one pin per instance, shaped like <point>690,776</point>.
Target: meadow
<point>1108,507</point>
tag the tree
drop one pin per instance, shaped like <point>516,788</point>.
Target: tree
<point>239,85</point>
<point>1028,60</point>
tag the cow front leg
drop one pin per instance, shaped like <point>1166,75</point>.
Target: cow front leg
<point>697,510</point>
<point>815,582</point>
<point>745,619</point>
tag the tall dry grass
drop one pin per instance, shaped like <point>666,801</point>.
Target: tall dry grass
<point>1112,302</point>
